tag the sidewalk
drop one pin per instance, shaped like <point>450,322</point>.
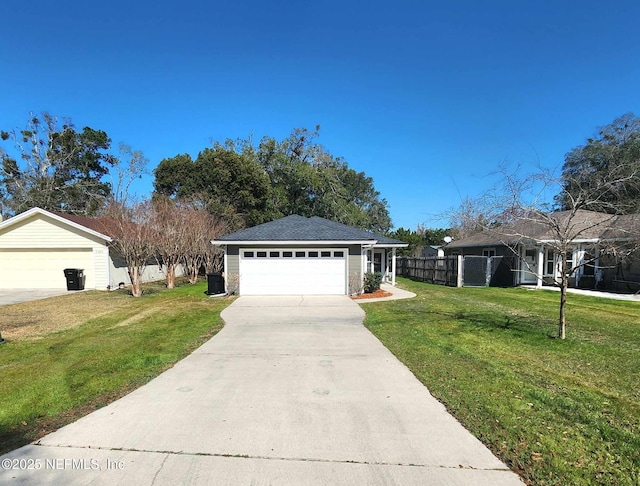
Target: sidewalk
<point>591,293</point>
<point>397,294</point>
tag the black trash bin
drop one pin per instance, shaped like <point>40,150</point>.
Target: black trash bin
<point>75,278</point>
<point>215,284</point>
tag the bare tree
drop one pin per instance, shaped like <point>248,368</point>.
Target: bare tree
<point>520,211</point>
<point>170,226</point>
<point>131,165</point>
<point>203,227</point>
<point>131,226</point>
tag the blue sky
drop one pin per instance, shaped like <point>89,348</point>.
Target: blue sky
<point>426,97</point>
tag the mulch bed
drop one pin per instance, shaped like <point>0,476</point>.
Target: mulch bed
<point>373,295</point>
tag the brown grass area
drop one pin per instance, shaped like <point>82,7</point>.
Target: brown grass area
<point>40,317</point>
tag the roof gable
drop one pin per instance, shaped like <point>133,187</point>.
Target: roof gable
<point>299,228</point>
<point>95,229</point>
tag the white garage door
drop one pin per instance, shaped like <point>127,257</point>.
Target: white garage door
<point>43,268</point>
<point>293,272</point>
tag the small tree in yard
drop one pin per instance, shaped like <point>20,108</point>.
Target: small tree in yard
<point>171,227</point>
<point>519,211</point>
<point>132,228</point>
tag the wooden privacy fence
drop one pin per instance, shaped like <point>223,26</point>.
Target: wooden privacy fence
<point>436,270</point>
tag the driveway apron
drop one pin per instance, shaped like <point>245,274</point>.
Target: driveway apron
<point>293,390</point>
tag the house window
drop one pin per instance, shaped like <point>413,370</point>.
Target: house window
<point>248,254</point>
<point>550,265</point>
<point>300,254</point>
<point>274,254</point>
<point>287,254</point>
<point>569,262</point>
<point>325,254</point>
<point>261,254</point>
<point>489,252</point>
<point>338,254</point>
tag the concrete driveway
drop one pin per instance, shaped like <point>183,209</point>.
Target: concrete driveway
<point>292,391</point>
<point>15,296</point>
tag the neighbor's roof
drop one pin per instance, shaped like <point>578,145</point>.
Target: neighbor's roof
<point>95,226</point>
<point>105,226</point>
<point>581,227</point>
<point>296,228</point>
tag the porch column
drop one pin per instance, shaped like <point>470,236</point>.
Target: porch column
<point>225,272</point>
<point>540,269</point>
<point>372,268</point>
<point>393,266</point>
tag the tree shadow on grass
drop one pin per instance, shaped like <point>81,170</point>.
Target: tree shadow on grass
<point>517,325</point>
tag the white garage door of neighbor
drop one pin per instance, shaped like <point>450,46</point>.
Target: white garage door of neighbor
<point>293,272</point>
<point>43,268</point>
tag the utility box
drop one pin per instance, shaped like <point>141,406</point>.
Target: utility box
<point>215,284</point>
<point>75,278</point>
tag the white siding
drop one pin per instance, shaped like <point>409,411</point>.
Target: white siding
<point>34,252</point>
<point>43,232</point>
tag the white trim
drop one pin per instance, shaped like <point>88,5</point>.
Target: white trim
<point>225,266</point>
<point>586,240</point>
<point>540,269</point>
<point>291,242</point>
<point>393,267</point>
<point>43,212</point>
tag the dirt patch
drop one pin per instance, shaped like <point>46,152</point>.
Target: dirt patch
<point>40,317</point>
<point>373,295</point>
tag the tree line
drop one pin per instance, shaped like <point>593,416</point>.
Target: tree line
<point>53,165</point>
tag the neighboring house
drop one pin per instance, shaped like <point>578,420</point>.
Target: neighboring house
<point>432,251</point>
<point>533,248</point>
<point>298,255</point>
<point>37,245</point>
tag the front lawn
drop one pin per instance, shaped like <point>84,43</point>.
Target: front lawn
<point>558,412</point>
<point>66,356</point>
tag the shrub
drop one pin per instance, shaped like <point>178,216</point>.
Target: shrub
<point>372,282</point>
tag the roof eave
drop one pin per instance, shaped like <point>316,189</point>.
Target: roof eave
<point>292,242</point>
<point>44,212</point>
<point>391,245</point>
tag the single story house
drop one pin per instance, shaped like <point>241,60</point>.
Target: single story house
<point>305,256</point>
<point>37,245</point>
<point>533,246</point>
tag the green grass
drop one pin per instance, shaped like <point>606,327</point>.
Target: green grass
<point>54,378</point>
<point>558,412</point>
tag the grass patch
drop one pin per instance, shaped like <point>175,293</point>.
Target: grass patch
<point>558,412</point>
<point>67,356</point>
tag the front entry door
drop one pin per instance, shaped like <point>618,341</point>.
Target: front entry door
<point>377,261</point>
<point>530,266</point>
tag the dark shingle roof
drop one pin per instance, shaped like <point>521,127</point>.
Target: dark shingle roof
<point>299,228</point>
